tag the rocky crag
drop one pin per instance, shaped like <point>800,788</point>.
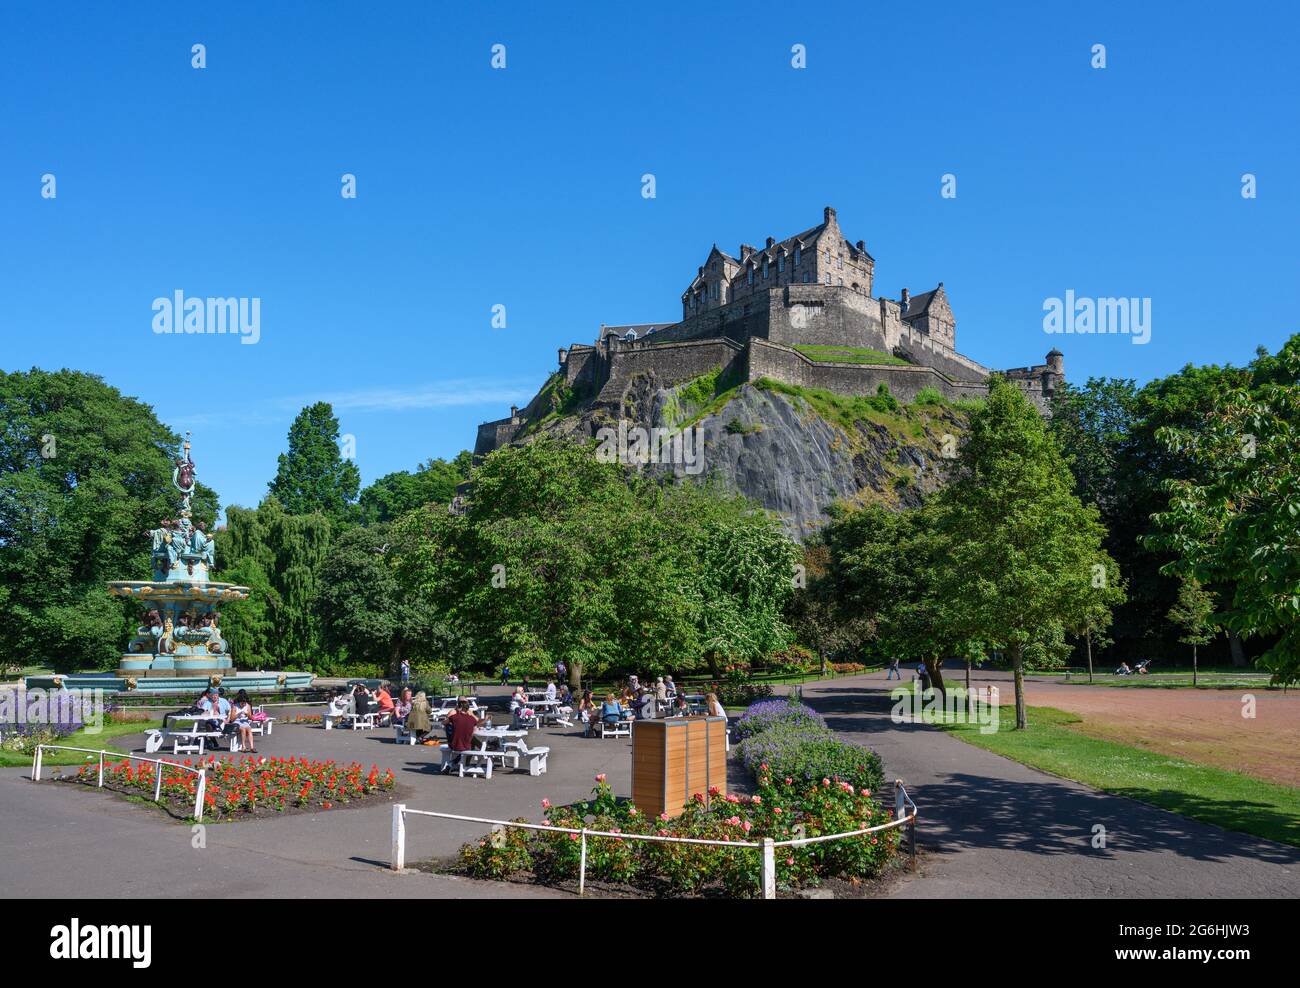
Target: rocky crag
<point>795,451</point>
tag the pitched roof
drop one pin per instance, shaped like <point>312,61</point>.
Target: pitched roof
<point>642,329</point>
<point>918,305</point>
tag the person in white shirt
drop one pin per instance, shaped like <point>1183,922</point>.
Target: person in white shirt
<point>550,691</point>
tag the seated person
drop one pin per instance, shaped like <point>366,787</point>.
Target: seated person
<point>218,706</point>
<point>403,706</point>
<point>680,707</point>
<point>1123,670</point>
<point>550,691</point>
<point>460,732</point>
<point>419,720</point>
<point>611,711</point>
<point>384,699</point>
<point>362,700</point>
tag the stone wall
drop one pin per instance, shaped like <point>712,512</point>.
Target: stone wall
<point>671,363</point>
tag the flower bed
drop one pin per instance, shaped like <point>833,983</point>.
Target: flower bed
<point>765,714</point>
<point>793,740</point>
<point>782,809</point>
<point>248,785</point>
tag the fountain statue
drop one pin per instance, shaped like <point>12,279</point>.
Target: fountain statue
<point>180,634</point>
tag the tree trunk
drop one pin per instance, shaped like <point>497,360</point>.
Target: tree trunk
<point>932,664</point>
<point>821,655</point>
<point>711,657</point>
<point>1238,653</point>
<point>1018,670</point>
<point>1193,663</point>
<point>1087,637</point>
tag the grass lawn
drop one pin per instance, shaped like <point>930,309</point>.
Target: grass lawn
<point>849,355</point>
<point>81,739</point>
<point>1212,795</point>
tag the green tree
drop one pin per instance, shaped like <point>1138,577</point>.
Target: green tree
<point>1236,520</point>
<point>369,616</point>
<point>561,556</point>
<point>1192,616</point>
<point>394,494</point>
<point>313,475</point>
<point>1022,557</point>
<point>84,472</point>
<point>288,551</point>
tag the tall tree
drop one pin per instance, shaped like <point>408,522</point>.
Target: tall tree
<point>287,551</point>
<point>1237,519</point>
<point>84,471</point>
<point>313,475</point>
<point>1022,555</point>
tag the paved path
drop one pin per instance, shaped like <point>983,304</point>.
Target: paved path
<point>993,827</point>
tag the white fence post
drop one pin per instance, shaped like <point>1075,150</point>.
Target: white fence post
<point>769,869</point>
<point>157,785</point>
<point>899,809</point>
<point>200,793</point>
<point>36,764</point>
<point>101,770</point>
<point>582,864</point>
<point>398,861</point>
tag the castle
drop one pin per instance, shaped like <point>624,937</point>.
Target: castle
<point>799,311</point>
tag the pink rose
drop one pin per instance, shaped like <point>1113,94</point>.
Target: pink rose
<point>546,804</point>
<point>747,826</point>
<point>601,778</point>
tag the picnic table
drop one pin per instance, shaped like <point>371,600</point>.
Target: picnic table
<point>492,744</point>
<point>193,741</point>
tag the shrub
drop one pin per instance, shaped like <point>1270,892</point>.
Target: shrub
<point>848,668</point>
<point>765,714</point>
<point>793,750</point>
<point>782,809</point>
<point>928,396</point>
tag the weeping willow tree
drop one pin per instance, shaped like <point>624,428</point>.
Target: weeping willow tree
<point>279,557</point>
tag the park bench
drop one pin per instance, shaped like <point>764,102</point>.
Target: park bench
<point>360,722</point>
<point>536,756</point>
<point>193,742</point>
<point>618,729</point>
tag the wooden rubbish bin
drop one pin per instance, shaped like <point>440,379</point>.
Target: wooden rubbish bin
<point>674,758</point>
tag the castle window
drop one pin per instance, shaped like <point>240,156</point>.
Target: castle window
<point>749,276</point>
<point>765,267</point>
<point>796,255</point>
<point>807,277</point>
<point>841,264</point>
<point>780,262</point>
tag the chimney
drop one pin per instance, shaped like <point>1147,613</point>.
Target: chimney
<point>771,241</point>
<point>563,356</point>
<point>514,413</point>
<point>745,251</point>
<point>902,305</point>
<point>828,213</point>
<point>701,271</point>
<point>862,246</point>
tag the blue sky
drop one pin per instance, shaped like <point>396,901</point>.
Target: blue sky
<point>522,187</point>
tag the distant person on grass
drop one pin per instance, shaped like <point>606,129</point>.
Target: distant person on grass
<point>894,672</point>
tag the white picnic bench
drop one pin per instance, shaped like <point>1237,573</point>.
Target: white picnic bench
<point>617,729</point>
<point>360,722</point>
<point>511,747</point>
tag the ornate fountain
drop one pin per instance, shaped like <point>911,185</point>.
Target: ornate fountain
<point>180,635</point>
